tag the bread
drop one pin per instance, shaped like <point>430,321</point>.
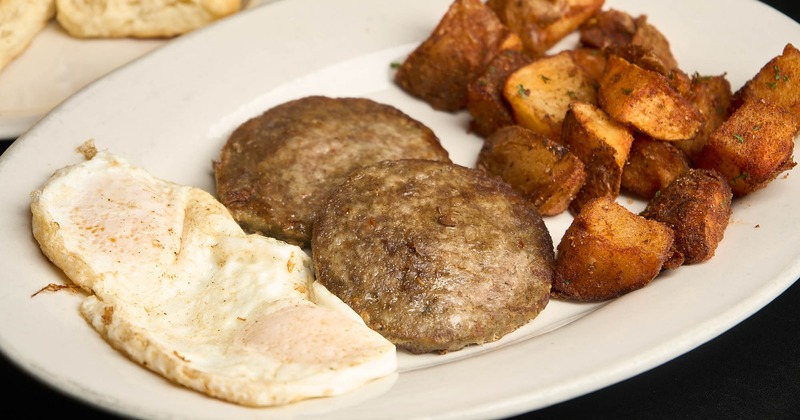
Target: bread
<point>20,22</point>
<point>139,19</point>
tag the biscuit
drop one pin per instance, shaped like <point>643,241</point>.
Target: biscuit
<point>20,22</point>
<point>140,19</point>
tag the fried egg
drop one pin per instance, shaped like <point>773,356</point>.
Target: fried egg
<point>176,285</point>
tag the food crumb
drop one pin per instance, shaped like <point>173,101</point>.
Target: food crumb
<point>52,287</point>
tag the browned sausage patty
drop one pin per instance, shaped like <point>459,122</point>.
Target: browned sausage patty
<point>433,255</point>
<point>277,168</point>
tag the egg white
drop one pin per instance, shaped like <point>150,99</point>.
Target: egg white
<point>176,285</point>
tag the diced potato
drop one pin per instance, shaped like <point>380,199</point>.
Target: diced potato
<point>712,96</point>
<point>751,147</point>
<point>464,41</point>
<point>591,60</point>
<point>614,28</point>
<point>680,82</point>
<point>697,206</point>
<point>540,93</point>
<point>778,81</point>
<point>542,170</point>
<point>651,166</point>
<point>542,23</point>
<point>486,104</point>
<point>645,100</point>
<point>651,38</point>
<point>602,145</point>
<point>607,28</point>
<point>645,58</point>
<point>608,251</point>
<point>640,56</point>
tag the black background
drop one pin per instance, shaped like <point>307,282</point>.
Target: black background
<point>750,372</point>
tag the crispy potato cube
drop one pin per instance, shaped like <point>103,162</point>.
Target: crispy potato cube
<point>751,147</point>
<point>645,58</point>
<point>486,104</point>
<point>640,56</point>
<point>608,251</point>
<point>542,23</point>
<point>680,82</point>
<point>645,100</point>
<point>651,166</point>
<point>613,28</point>
<point>540,93</point>
<point>591,60</point>
<point>540,169</point>
<point>778,82</point>
<point>464,41</point>
<point>712,96</point>
<point>602,145</point>
<point>651,38</point>
<point>697,206</point>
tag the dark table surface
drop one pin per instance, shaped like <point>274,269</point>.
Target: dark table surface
<point>751,371</point>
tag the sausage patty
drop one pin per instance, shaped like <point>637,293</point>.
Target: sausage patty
<point>433,255</point>
<point>276,169</point>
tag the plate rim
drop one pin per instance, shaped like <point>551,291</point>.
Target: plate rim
<point>785,278</point>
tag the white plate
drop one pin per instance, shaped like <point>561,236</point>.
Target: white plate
<point>171,111</point>
<point>56,65</point>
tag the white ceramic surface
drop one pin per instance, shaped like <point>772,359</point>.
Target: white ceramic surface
<point>171,111</point>
<point>56,65</point>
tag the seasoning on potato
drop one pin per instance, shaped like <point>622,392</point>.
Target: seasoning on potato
<point>613,28</point>
<point>543,23</point>
<point>778,81</point>
<point>645,100</point>
<point>751,147</point>
<point>651,166</point>
<point>464,41</point>
<point>609,251</point>
<point>712,96</point>
<point>541,92</point>
<point>540,169</point>
<point>486,104</point>
<point>638,123</point>
<point>602,144</point>
<point>697,206</point>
